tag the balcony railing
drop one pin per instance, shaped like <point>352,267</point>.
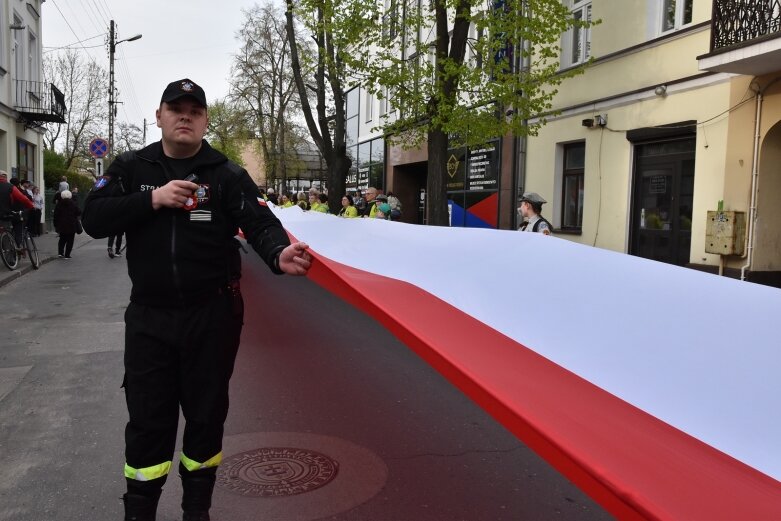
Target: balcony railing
<point>739,21</point>
<point>39,102</point>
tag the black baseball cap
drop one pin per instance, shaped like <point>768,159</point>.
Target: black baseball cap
<point>181,88</point>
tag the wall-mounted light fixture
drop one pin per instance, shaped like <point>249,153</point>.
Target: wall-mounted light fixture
<point>599,120</point>
<point>661,90</point>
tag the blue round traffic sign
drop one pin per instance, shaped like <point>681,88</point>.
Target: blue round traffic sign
<point>98,148</point>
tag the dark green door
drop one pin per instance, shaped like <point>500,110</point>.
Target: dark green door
<point>662,201</point>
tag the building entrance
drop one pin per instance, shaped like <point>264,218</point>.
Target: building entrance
<point>662,201</point>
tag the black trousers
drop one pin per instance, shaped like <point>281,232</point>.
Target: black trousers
<point>178,357</point>
<point>111,241</point>
<point>65,243</point>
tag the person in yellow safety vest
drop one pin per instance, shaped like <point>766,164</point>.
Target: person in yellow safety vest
<point>380,199</point>
<point>348,210</point>
<point>323,203</point>
<point>286,202</point>
<point>314,203</point>
<point>368,209</point>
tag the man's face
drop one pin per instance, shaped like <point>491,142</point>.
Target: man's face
<point>371,194</point>
<point>183,123</point>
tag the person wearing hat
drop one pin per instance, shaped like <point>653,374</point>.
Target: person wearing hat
<point>180,204</point>
<point>530,208</point>
<point>383,211</point>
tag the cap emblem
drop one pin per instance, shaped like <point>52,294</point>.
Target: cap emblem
<point>187,86</point>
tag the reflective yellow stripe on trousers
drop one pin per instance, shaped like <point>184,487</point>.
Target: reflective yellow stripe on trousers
<point>192,465</point>
<point>148,473</point>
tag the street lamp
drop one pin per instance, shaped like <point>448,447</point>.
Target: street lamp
<point>112,45</point>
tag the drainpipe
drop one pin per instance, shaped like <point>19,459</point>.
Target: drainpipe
<point>520,142</point>
<point>752,211</point>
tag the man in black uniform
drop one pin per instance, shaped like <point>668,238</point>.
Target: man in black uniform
<point>184,320</point>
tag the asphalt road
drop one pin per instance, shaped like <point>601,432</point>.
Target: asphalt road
<point>331,416</point>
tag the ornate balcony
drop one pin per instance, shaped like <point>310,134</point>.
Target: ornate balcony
<point>39,102</point>
<point>745,37</point>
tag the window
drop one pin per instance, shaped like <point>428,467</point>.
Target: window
<point>675,14</point>
<point>3,29</point>
<point>384,102</point>
<point>351,115</point>
<point>32,58</point>
<point>572,187</point>
<point>18,64</point>
<point>390,22</point>
<point>576,43</point>
<point>25,157</point>
<point>368,107</point>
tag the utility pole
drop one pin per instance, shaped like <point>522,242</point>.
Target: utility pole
<point>112,46</point>
<point>111,103</point>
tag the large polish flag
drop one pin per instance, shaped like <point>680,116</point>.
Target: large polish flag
<point>656,389</point>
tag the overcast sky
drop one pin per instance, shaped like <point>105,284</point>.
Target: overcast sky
<point>181,39</point>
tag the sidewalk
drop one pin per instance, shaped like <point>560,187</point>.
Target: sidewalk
<point>47,249</point>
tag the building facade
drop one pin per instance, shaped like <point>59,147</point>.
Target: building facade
<point>26,100</point>
<point>663,148</point>
<point>666,127</point>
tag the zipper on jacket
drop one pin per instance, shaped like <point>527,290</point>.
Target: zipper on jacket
<point>174,268</point>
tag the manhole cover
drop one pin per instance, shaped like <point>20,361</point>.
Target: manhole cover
<point>276,472</point>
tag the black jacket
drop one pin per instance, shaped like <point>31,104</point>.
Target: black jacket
<point>177,256</point>
<point>65,216</point>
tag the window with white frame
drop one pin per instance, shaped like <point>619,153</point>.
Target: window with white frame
<point>676,14</point>
<point>16,49</point>
<point>3,29</point>
<point>576,42</point>
<point>384,102</point>
<point>32,57</point>
<point>368,105</point>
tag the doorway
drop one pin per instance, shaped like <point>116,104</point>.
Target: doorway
<point>409,185</point>
<point>662,201</point>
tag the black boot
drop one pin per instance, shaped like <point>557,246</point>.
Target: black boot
<point>197,490</point>
<point>140,508</point>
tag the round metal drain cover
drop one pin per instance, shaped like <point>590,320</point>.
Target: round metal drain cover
<point>276,472</point>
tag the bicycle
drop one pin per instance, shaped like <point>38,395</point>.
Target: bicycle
<point>10,251</point>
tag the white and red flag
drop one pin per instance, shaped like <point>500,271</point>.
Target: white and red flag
<point>656,389</point>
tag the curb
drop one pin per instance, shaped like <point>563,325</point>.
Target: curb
<point>19,271</point>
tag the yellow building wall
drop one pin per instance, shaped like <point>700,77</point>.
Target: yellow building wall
<point>609,163</point>
<point>643,68</point>
<point>626,23</point>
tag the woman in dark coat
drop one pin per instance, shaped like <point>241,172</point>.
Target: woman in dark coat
<point>66,221</point>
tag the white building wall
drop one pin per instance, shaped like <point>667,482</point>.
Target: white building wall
<point>19,60</point>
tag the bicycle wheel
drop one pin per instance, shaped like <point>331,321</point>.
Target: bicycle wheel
<point>32,250</point>
<point>8,251</point>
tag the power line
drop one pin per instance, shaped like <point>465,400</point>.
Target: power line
<point>52,49</point>
<point>67,23</point>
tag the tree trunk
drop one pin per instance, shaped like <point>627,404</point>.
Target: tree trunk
<point>436,194</point>
<point>338,166</point>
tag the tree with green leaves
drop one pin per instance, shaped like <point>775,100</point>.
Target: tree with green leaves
<point>227,130</point>
<point>460,73</point>
<point>324,70</point>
